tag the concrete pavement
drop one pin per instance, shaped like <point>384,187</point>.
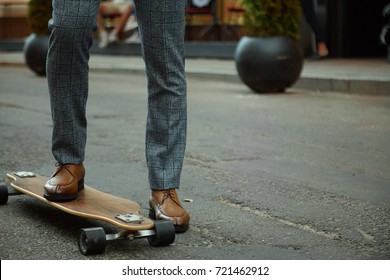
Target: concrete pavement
<point>362,76</point>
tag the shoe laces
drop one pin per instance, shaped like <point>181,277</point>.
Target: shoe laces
<point>60,167</point>
<point>170,194</point>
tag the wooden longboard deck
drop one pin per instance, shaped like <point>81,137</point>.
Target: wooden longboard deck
<point>90,203</point>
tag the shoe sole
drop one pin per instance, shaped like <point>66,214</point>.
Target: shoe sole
<point>178,228</point>
<point>64,198</point>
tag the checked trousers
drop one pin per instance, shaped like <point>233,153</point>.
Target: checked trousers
<point>161,25</point>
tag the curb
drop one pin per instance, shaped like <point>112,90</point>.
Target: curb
<point>352,84</point>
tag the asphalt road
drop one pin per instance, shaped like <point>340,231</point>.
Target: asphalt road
<point>300,175</point>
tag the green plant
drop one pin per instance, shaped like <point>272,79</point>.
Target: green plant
<point>264,18</point>
<point>39,13</point>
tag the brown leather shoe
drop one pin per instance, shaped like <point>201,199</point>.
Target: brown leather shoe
<point>165,205</point>
<point>66,181</point>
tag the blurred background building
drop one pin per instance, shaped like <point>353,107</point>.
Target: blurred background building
<point>352,27</point>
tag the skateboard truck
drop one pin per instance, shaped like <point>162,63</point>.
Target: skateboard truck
<point>25,174</point>
<point>5,192</point>
<point>130,218</point>
<point>93,240</point>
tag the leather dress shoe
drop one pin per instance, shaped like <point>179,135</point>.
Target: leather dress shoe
<point>65,183</point>
<point>165,205</point>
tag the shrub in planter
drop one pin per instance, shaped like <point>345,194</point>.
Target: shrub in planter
<point>36,45</point>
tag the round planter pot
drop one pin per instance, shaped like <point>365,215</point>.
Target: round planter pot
<point>35,51</point>
<point>270,64</point>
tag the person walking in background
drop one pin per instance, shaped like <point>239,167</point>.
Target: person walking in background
<point>123,8</point>
<point>311,18</point>
<point>161,25</point>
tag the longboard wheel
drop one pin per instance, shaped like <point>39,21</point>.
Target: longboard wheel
<point>92,241</point>
<point>165,234</point>
<point>3,194</point>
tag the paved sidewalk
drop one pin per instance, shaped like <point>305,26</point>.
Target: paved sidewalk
<point>363,76</point>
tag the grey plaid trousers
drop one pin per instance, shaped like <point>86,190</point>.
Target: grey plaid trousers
<point>161,24</point>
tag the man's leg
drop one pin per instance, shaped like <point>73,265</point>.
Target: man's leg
<point>72,27</point>
<point>162,26</point>
<point>311,18</point>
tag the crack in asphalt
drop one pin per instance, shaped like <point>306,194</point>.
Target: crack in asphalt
<point>266,215</point>
<point>197,161</point>
<point>14,106</point>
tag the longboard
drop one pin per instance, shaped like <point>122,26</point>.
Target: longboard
<point>94,204</point>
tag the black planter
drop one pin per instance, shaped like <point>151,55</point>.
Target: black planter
<point>35,51</point>
<point>268,65</point>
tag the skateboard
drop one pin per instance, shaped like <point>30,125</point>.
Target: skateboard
<point>94,204</point>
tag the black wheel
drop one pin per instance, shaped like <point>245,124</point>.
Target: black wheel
<point>3,194</point>
<point>92,241</point>
<point>165,234</point>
